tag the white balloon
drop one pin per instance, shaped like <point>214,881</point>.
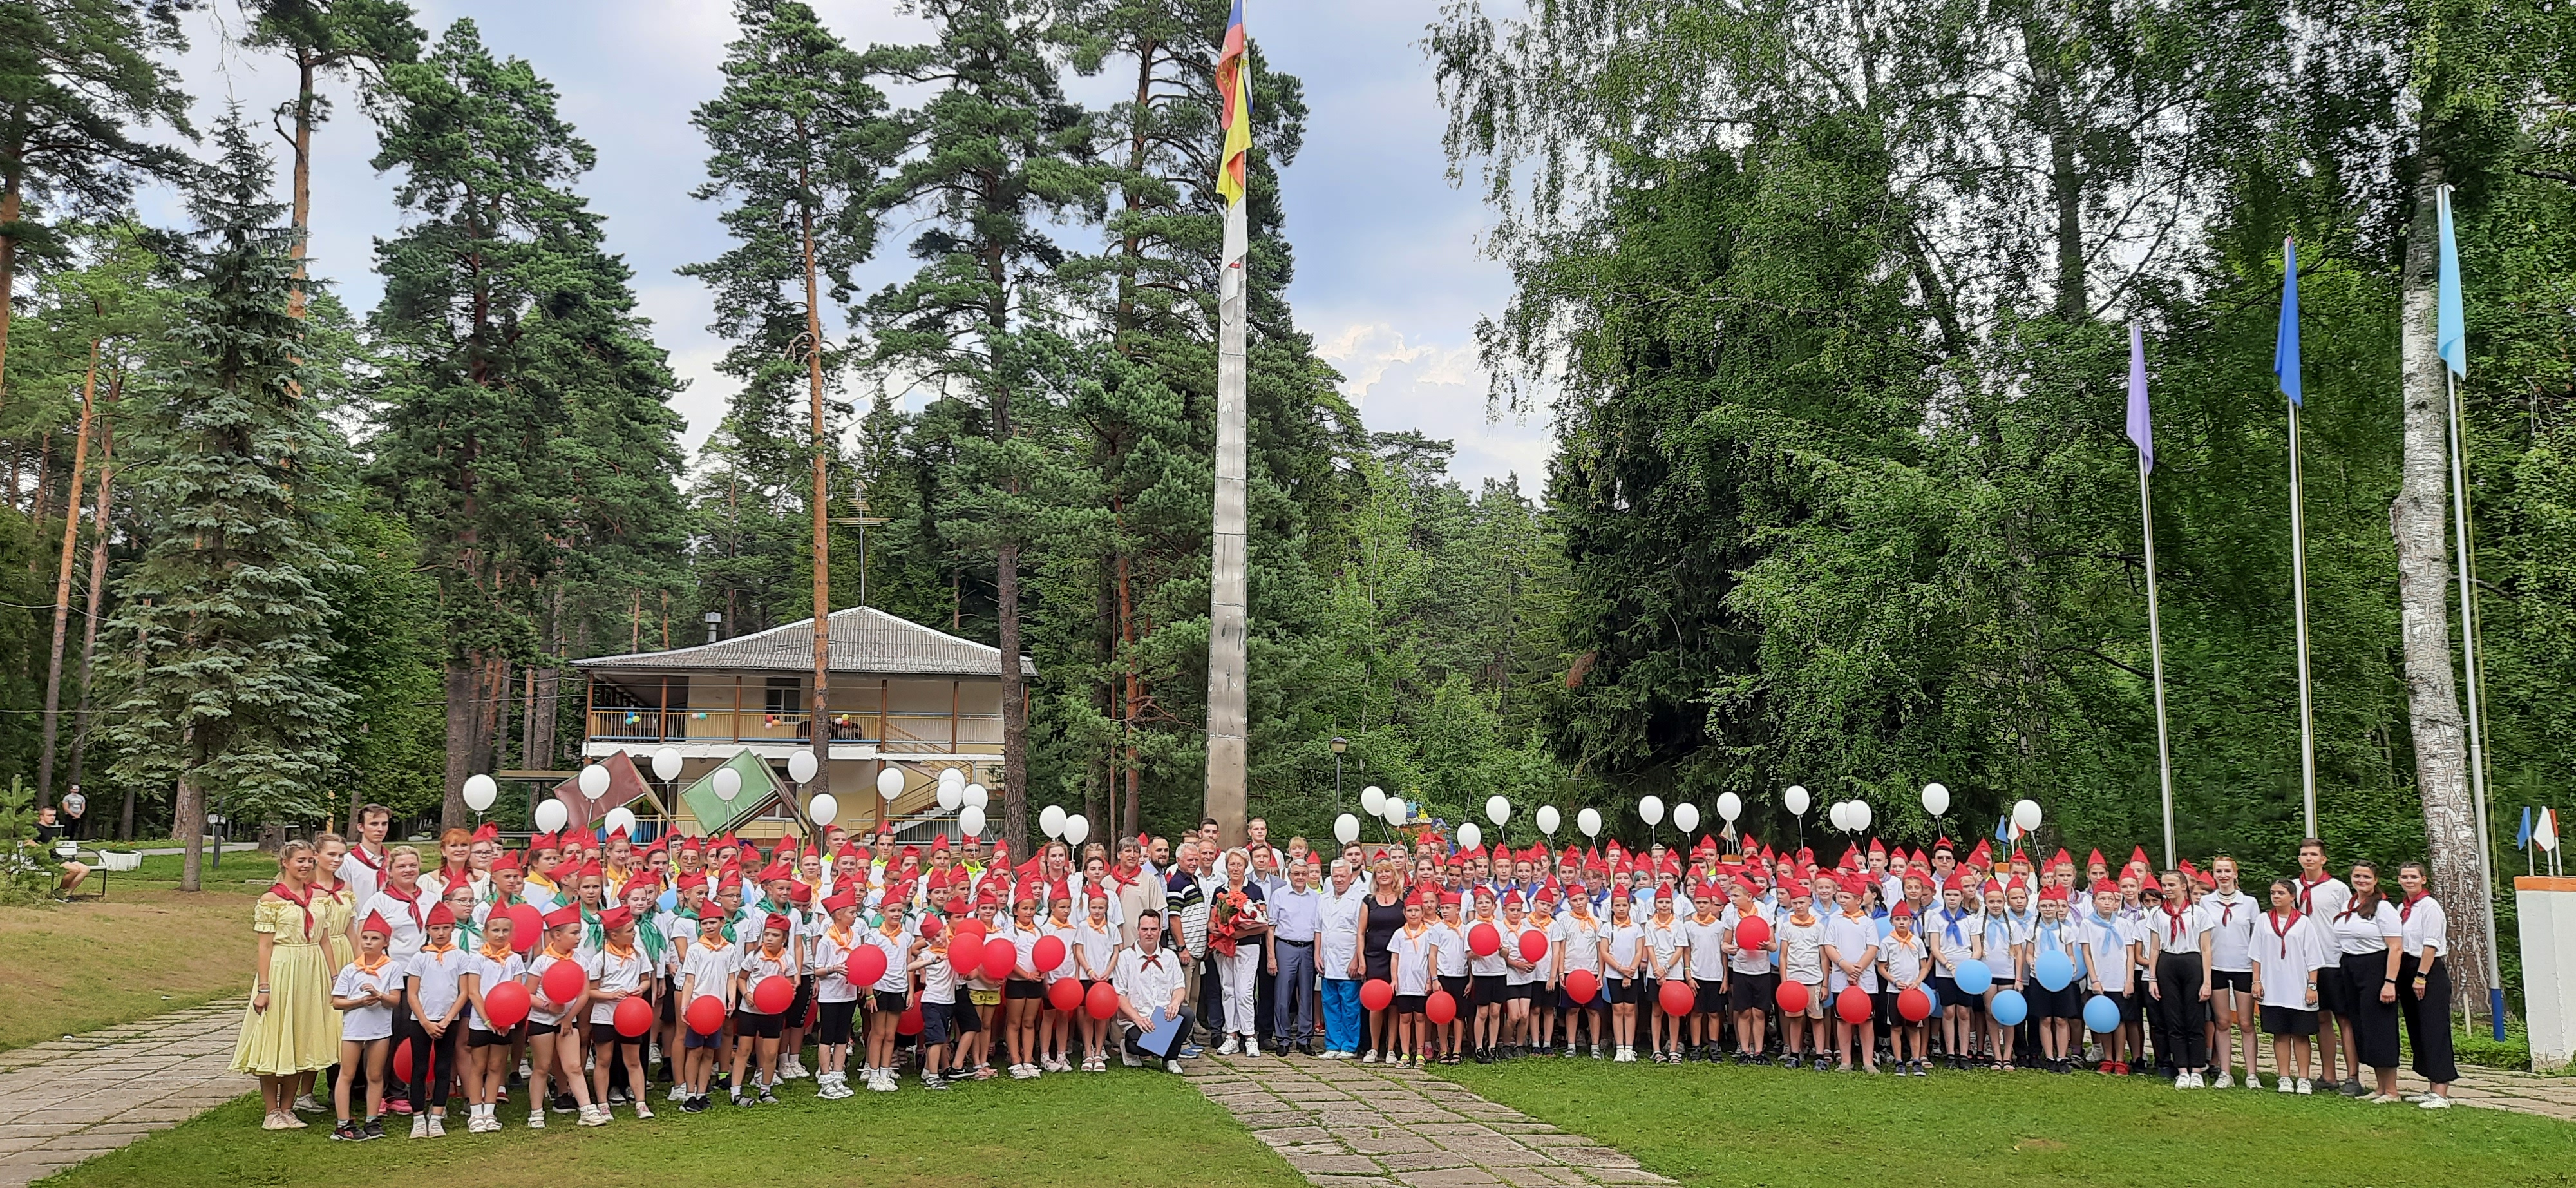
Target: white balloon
<point>1936,799</point>
<point>1469,836</point>
<point>1346,828</point>
<point>800,766</point>
<point>1686,817</point>
<point>2026,815</point>
<point>977,797</point>
<point>1396,813</point>
<point>1651,810</point>
<point>480,791</point>
<point>1373,800</point>
<point>593,781</point>
<point>890,783</point>
<point>1051,820</point>
<point>1547,819</point>
<point>1796,799</point>
<point>1838,815</point>
<point>970,821</point>
<point>666,764</point>
<point>824,809</point>
<point>1076,828</point>
<point>551,815</point>
<point>1498,810</point>
<point>618,818</point>
<point>727,783</point>
<point>1730,806</point>
<point>951,796</point>
<point>1589,821</point>
<point>1860,816</point>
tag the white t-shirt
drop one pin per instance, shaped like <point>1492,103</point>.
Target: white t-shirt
<point>1853,938</point>
<point>612,974</point>
<point>374,1021</point>
<point>1512,934</point>
<point>762,967</point>
<point>1706,942</point>
<point>2175,932</point>
<point>2422,923</point>
<point>1903,958</point>
<point>488,974</point>
<point>708,973</point>
<point>832,968</point>
<point>1448,951</point>
<point>2323,900</point>
<point>408,918</point>
<point>1065,934</point>
<point>2356,933</point>
<point>364,880</point>
<point>543,961</point>
<point>897,949</point>
<point>1411,957</point>
<point>1580,938</point>
<point>439,972</point>
<point>1094,949</point>
<point>1948,951</point>
<point>2107,954</point>
<point>1802,950</point>
<point>1493,965</point>
<point>2284,956</point>
<point>1627,947</point>
<point>1665,949</point>
<point>2229,919</point>
<point>1746,959</point>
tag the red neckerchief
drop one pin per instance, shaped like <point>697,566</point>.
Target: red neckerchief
<point>304,902</point>
<point>2173,922</point>
<point>1153,960</point>
<point>2307,892</point>
<point>447,876</point>
<point>2227,910</point>
<point>1125,881</point>
<point>359,852</point>
<point>2406,910</point>
<point>411,900</point>
<point>2280,931</point>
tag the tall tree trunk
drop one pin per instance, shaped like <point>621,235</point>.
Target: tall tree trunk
<point>2419,521</point>
<point>462,717</point>
<point>10,199</point>
<point>63,586</point>
<point>2065,178</point>
<point>97,594</point>
<point>821,735</point>
<point>303,185</point>
<point>1130,248</point>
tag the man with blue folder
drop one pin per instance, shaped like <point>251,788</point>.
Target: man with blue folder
<point>1149,980</point>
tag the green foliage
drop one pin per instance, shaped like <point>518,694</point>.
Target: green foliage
<point>28,872</point>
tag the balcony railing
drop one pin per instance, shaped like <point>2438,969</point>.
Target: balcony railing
<point>896,732</point>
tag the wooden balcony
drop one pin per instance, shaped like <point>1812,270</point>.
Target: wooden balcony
<point>890,733</point>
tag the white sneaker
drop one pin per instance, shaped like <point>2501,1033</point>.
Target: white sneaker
<point>2434,1101</point>
<point>437,1126</point>
<point>1370,1057</point>
<point>1172,1066</point>
<point>2306,1086</point>
<point>304,1104</point>
<point>1230,1047</point>
<point>596,1115</point>
<point>537,1116</point>
<point>1022,1072</point>
<point>1252,1045</point>
<point>2288,1085</point>
<point>2223,1082</point>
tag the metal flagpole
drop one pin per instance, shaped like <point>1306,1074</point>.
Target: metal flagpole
<point>2156,657</point>
<point>2299,579</point>
<point>1226,717</point>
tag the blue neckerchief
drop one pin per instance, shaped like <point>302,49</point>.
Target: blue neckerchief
<point>1950,925</point>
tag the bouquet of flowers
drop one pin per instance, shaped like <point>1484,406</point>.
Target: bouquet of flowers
<point>1228,912</point>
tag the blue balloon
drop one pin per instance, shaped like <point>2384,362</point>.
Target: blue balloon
<point>1886,924</point>
<point>2010,1008</point>
<point>1973,977</point>
<point>1935,997</point>
<point>2054,971</point>
<point>2101,1014</point>
<point>670,901</point>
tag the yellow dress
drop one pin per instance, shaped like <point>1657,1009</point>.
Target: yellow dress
<point>332,912</point>
<point>299,1032</point>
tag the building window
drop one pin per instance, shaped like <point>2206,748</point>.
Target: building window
<point>785,695</point>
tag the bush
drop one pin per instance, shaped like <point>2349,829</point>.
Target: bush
<point>28,873</point>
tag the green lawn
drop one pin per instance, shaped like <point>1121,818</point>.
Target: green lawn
<point>146,948</point>
<point>1723,1125</point>
<point>1120,1128</point>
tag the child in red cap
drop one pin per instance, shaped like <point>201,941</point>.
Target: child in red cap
<point>756,1031</point>
<point>365,993</point>
<point>618,971</point>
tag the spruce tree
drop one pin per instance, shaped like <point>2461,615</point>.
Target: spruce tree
<point>225,632</point>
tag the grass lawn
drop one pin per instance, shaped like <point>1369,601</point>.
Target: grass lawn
<point>147,948</point>
<point>1778,1128</point>
<point>1122,1128</point>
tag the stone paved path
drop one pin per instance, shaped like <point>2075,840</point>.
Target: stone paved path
<point>65,1100</point>
<point>1350,1125</point>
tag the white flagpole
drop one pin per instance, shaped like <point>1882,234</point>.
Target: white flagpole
<point>2156,656</point>
<point>2299,579</point>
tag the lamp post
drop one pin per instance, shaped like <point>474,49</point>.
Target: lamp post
<point>1340,745</point>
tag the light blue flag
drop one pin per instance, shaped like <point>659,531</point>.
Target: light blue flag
<point>2285,345</point>
<point>2141,431</point>
<point>2522,840</point>
<point>2450,332</point>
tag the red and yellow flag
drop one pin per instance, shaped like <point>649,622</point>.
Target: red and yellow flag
<point>1235,102</point>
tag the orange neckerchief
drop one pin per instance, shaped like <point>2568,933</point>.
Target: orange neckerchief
<point>550,952</point>
<point>503,954</point>
<point>625,954</point>
<point>381,962</point>
<point>711,944</point>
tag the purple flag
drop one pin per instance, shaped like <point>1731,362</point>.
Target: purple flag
<point>2139,429</point>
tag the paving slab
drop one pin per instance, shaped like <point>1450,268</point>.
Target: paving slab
<point>66,1100</point>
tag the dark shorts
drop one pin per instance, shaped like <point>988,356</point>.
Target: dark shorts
<point>1629,992</point>
<point>2133,1006</point>
<point>756,1025</point>
<point>934,1021</point>
<point>2334,991</point>
<point>1947,988</point>
<point>690,1040</point>
<point>890,1002</point>
<point>2231,979</point>
<point>965,1018</point>
<point>476,1037</point>
<point>835,1022</point>
<point>1457,988</point>
<point>1410,1004</point>
<point>541,1029</point>
<point>666,1008</point>
<point>1600,1000</point>
<point>1526,991</point>
<point>2062,1003</point>
<point>1019,988</point>
<point>1491,990</point>
<point>2288,1021</point>
<point>1745,991</point>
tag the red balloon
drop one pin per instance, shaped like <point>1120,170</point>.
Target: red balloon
<point>1065,994</point>
<point>706,1014</point>
<point>402,1061</point>
<point>1048,955</point>
<point>1677,998</point>
<point>969,928</point>
<point>1376,995</point>
<point>563,982</point>
<point>1533,945</point>
<point>527,927</point>
<point>1101,1002</point>
<point>634,1016</point>
<point>1753,932</point>
<point>1441,1008</point>
<point>1792,998</point>
<point>505,1006</point>
<point>1582,984</point>
<point>1484,940</point>
<point>966,953</point>
<point>1913,1004</point>
<point>773,995</point>
<point>867,963</point>
<point>1001,958</point>
<point>1852,1004</point>
<point>909,1022</point>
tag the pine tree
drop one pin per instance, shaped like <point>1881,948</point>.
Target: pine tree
<point>225,633</point>
<point>326,37</point>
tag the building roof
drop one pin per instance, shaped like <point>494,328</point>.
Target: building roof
<point>864,639</point>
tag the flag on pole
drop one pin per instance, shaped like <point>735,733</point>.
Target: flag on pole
<point>2522,840</point>
<point>2450,332</point>
<point>2546,833</point>
<point>1235,111</point>
<point>2140,430</point>
<point>2285,344</point>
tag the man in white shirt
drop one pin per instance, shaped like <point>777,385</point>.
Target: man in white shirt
<point>1342,910</point>
<point>363,867</point>
<point>1149,980</point>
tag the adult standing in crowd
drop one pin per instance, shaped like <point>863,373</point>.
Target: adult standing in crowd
<point>288,1029</point>
<point>1296,914</point>
<point>2424,983</point>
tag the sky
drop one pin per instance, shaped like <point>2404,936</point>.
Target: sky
<point>1390,281</point>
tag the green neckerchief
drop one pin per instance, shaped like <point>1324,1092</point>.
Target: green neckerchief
<point>593,935</point>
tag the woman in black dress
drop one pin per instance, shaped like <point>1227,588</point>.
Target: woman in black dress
<point>1383,916</point>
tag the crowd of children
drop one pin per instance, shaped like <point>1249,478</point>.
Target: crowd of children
<point>582,974</point>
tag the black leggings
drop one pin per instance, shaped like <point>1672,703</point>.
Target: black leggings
<point>2428,1017</point>
<point>2180,1040</point>
<point>431,1085</point>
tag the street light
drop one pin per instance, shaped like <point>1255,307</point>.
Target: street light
<point>1340,745</point>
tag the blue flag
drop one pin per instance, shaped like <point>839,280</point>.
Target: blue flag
<point>2003,828</point>
<point>2522,840</point>
<point>2285,346</point>
<point>2450,333</point>
<point>2140,430</point>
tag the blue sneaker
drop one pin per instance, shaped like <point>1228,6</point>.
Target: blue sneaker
<point>1192,1051</point>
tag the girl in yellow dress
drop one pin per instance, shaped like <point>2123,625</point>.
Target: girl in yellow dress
<point>289,1027</point>
<point>335,905</point>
